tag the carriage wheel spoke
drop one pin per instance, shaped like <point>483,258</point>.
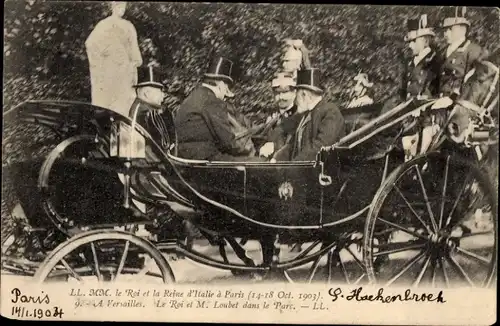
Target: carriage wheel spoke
<point>422,271</point>
<point>427,203</point>
<point>455,204</point>
<point>359,278</point>
<point>459,268</point>
<point>285,272</point>
<point>445,274</point>
<point>71,270</point>
<point>146,269</point>
<point>406,267</point>
<point>398,248</point>
<point>329,265</point>
<point>335,253</point>
<point>313,270</point>
<point>412,209</point>
<point>473,255</point>
<point>433,276</point>
<point>360,264</point>
<point>122,260</point>
<point>477,234</point>
<point>443,195</point>
<point>343,269</point>
<point>399,227</point>
<point>96,263</point>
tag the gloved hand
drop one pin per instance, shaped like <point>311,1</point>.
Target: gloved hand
<point>442,103</point>
<point>267,149</point>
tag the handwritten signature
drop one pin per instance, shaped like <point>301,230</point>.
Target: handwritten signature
<point>359,295</point>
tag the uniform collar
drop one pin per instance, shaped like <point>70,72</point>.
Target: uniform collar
<point>148,106</point>
<point>455,45</point>
<point>284,111</point>
<point>421,55</point>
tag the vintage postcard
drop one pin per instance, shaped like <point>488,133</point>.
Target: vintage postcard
<point>251,163</point>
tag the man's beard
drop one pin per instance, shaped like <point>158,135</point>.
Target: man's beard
<point>284,104</point>
<point>301,108</point>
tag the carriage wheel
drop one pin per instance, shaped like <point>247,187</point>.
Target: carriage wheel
<point>105,255</point>
<point>435,219</point>
<point>341,264</point>
<point>58,189</point>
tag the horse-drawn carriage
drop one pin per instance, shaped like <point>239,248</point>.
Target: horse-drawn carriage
<point>429,220</point>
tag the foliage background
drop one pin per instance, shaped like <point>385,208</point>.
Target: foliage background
<point>44,54</point>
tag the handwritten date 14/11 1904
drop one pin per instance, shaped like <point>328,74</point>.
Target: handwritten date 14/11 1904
<point>359,295</point>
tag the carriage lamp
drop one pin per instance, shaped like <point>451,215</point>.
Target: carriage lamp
<point>126,142</point>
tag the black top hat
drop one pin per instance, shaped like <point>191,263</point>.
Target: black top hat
<point>418,27</point>
<point>455,16</point>
<point>149,76</point>
<point>309,79</point>
<point>220,68</point>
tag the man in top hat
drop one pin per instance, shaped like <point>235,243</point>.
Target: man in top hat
<point>421,81</point>
<point>466,73</point>
<point>147,108</point>
<point>317,123</point>
<point>204,129</point>
<point>461,57</point>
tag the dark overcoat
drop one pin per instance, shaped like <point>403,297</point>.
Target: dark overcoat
<point>459,66</point>
<point>322,126</point>
<point>422,79</point>
<point>204,131</point>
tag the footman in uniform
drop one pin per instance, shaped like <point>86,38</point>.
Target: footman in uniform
<point>466,74</point>
<point>421,81</point>
<point>461,57</point>
<point>147,108</point>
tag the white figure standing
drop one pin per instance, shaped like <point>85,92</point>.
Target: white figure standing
<point>114,55</point>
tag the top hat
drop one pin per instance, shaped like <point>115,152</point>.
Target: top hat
<point>454,16</point>
<point>149,76</point>
<point>220,68</point>
<point>418,27</point>
<point>363,80</point>
<point>283,79</point>
<point>309,79</point>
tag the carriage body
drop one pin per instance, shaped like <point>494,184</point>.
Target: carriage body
<point>96,170</point>
<point>85,189</point>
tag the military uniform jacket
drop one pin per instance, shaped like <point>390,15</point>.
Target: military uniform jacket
<point>307,132</point>
<point>203,128</point>
<point>421,79</point>
<point>273,121</point>
<point>458,67</point>
<point>157,122</point>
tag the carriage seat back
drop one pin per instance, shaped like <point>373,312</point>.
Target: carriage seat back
<point>358,116</point>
